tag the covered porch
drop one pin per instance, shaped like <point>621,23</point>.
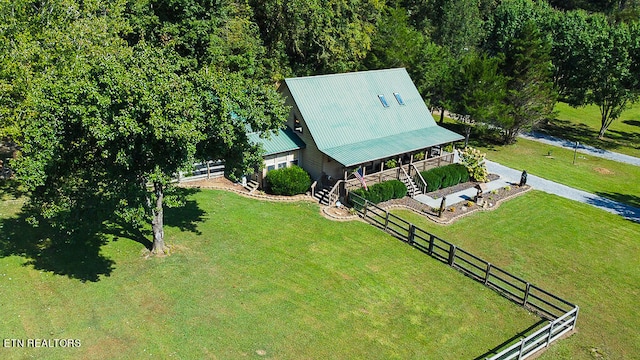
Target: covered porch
<point>406,168</point>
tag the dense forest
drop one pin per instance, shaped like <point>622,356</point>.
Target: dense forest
<point>105,97</point>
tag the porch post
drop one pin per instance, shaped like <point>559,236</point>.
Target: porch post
<point>411,159</point>
<point>345,175</point>
<point>364,172</point>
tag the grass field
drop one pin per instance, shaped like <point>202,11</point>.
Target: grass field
<point>607,178</point>
<point>583,254</point>
<point>582,124</point>
<point>249,279</point>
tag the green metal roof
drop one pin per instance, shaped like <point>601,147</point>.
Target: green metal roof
<point>278,142</point>
<point>348,121</point>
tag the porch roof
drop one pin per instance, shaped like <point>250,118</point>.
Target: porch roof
<point>279,141</point>
<point>381,148</point>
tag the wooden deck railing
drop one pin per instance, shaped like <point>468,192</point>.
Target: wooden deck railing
<point>394,173</point>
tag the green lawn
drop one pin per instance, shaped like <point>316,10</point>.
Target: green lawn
<point>585,255</point>
<point>248,279</point>
<point>599,176</point>
<point>582,124</point>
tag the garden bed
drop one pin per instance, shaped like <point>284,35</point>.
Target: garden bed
<point>453,212</point>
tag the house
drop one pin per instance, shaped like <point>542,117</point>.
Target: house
<point>361,120</point>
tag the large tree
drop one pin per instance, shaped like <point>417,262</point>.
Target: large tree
<point>105,129</point>
<point>316,36</point>
<point>518,31</point>
<point>478,92</point>
<point>596,63</point>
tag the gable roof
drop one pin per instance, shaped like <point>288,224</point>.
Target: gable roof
<point>349,122</point>
<point>279,141</point>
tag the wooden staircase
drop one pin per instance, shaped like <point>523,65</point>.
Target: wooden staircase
<point>322,195</point>
<point>252,186</point>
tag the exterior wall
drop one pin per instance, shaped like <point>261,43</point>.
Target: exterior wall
<point>311,159</point>
<point>278,161</point>
<point>332,168</point>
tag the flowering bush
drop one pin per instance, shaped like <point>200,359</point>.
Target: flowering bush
<point>473,160</point>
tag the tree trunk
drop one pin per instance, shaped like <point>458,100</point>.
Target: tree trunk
<point>441,115</point>
<point>603,125</point>
<point>158,221</point>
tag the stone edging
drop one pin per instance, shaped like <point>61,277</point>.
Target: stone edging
<point>326,214</point>
<point>274,198</point>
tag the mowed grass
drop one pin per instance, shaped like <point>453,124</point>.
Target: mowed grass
<point>607,178</point>
<point>582,124</point>
<point>257,279</point>
<point>586,256</point>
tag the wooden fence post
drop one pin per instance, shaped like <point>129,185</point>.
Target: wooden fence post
<point>575,318</point>
<point>521,348</point>
<point>431,240</point>
<point>412,234</point>
<point>364,214</point>
<point>526,294</point>
<point>386,221</point>
<point>550,334</point>
<point>452,254</point>
<point>487,273</point>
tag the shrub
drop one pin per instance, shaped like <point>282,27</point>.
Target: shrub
<point>473,160</point>
<point>383,191</point>
<point>288,181</point>
<point>399,189</point>
<point>445,176</point>
<point>433,180</point>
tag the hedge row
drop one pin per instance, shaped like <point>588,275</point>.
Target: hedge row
<point>287,181</point>
<point>377,193</point>
<point>445,176</point>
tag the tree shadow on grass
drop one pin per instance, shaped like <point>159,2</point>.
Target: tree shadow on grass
<point>632,122</point>
<point>185,217</point>
<point>614,139</point>
<point>75,254</point>
<point>73,248</point>
<point>627,206</point>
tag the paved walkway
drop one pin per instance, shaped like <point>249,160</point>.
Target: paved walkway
<point>585,149</point>
<point>510,176</point>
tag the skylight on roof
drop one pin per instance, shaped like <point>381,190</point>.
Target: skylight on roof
<point>399,98</point>
<point>383,101</point>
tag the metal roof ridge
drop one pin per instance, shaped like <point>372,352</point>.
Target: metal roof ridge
<point>344,74</point>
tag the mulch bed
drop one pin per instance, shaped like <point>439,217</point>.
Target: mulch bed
<point>452,213</point>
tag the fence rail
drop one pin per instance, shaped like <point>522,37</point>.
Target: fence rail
<point>205,170</point>
<point>562,315</point>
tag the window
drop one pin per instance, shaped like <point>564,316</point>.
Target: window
<point>297,126</point>
<point>383,101</point>
<point>282,165</point>
<point>294,162</point>
<point>271,167</point>
<point>399,98</point>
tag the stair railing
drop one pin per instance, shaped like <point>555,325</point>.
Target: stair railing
<point>422,185</point>
<point>412,191</point>
<point>334,194</point>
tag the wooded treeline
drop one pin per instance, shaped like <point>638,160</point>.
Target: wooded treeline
<point>107,97</point>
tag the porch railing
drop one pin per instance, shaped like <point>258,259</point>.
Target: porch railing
<point>394,174</point>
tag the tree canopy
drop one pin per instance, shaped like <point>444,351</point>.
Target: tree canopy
<point>107,100</point>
